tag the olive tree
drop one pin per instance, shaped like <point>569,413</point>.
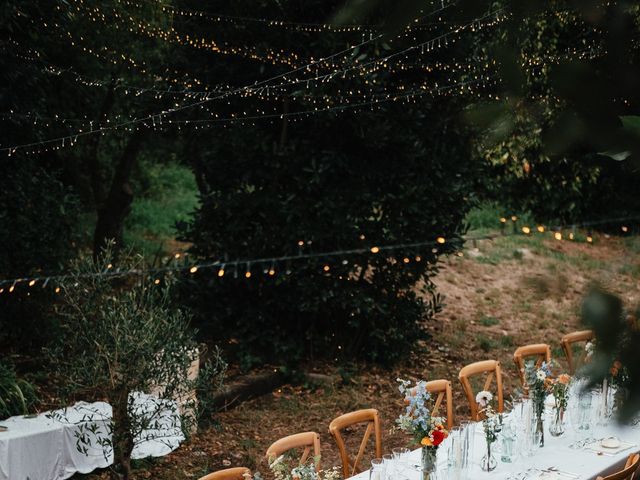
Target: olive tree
<point>124,343</point>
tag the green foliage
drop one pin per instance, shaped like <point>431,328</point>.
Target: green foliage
<point>17,396</point>
<point>486,344</point>
<point>168,195</point>
<point>121,337</point>
<point>489,321</point>
<point>37,233</point>
<point>617,331</point>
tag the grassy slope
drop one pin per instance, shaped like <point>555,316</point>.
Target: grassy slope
<point>169,195</point>
<point>509,292</point>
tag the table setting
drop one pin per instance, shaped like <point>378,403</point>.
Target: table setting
<point>564,431</point>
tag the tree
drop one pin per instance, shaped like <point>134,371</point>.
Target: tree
<point>397,172</point>
<point>121,338</point>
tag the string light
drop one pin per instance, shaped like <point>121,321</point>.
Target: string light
<point>557,236</point>
<point>526,230</point>
<point>540,228</point>
<point>375,249</point>
<point>272,261</point>
<point>440,240</point>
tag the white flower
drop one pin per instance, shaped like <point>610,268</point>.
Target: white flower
<point>483,398</point>
<point>540,375</point>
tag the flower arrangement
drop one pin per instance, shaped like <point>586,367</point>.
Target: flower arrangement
<point>560,391</point>
<point>491,424</point>
<point>539,382</point>
<point>427,430</point>
<point>282,470</point>
<point>417,420</point>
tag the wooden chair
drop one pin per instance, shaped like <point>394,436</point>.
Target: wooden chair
<point>372,419</point>
<point>567,343</point>
<point>627,473</point>
<point>540,351</point>
<point>305,440</point>
<point>443,389</point>
<point>237,473</point>
<point>492,369</point>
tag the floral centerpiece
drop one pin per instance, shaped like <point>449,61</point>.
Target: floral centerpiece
<point>539,383</point>
<point>427,430</point>
<point>491,424</point>
<point>282,470</point>
<point>560,391</point>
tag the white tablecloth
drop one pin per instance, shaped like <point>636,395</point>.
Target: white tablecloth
<point>45,447</point>
<point>555,453</point>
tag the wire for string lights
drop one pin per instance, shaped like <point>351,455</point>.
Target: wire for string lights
<point>270,263</point>
<point>70,140</point>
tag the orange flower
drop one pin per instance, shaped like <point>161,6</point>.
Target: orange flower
<point>564,379</point>
<point>426,442</point>
<point>617,364</point>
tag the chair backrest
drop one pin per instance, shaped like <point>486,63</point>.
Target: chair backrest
<point>627,473</point>
<point>307,441</point>
<point>369,416</point>
<point>443,389</point>
<point>541,352</point>
<point>492,369</point>
<point>237,473</point>
<point>571,338</point>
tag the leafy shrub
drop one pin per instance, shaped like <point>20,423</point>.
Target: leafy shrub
<point>36,234</point>
<point>17,396</point>
<point>336,186</point>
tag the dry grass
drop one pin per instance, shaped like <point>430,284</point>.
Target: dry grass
<point>509,292</point>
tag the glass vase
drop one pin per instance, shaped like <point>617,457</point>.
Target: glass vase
<point>488,462</point>
<point>428,461</point>
<point>557,425</point>
<point>540,429</point>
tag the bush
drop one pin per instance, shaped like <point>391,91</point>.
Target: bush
<point>37,233</point>
<point>337,186</point>
<point>17,396</point>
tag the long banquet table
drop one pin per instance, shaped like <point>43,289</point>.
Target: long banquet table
<point>556,453</point>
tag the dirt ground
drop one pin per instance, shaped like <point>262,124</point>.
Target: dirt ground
<point>504,293</point>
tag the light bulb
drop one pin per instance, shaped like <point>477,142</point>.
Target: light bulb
<point>375,249</point>
<point>193,269</point>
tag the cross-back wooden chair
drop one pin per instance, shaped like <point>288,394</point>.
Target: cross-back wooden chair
<point>627,473</point>
<point>492,369</point>
<point>567,342</point>
<point>541,352</point>
<point>443,389</point>
<point>372,419</point>
<point>237,473</point>
<point>307,441</point>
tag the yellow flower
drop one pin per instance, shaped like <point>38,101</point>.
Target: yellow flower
<point>426,442</point>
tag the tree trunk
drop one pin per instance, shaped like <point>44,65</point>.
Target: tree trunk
<point>122,438</point>
<point>114,210</point>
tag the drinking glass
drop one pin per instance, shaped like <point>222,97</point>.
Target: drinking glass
<point>389,467</point>
<point>377,469</point>
<point>400,460</point>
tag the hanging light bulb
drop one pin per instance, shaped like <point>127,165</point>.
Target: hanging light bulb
<point>32,283</point>
<point>375,249</point>
<point>440,240</point>
<point>526,230</point>
<point>326,268</point>
<point>193,269</point>
<point>557,236</point>
<point>540,228</point>
<point>221,271</point>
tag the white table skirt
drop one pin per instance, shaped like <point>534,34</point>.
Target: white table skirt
<point>555,453</point>
<point>45,448</point>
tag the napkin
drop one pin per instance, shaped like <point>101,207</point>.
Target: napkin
<point>556,475</point>
<point>598,448</point>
